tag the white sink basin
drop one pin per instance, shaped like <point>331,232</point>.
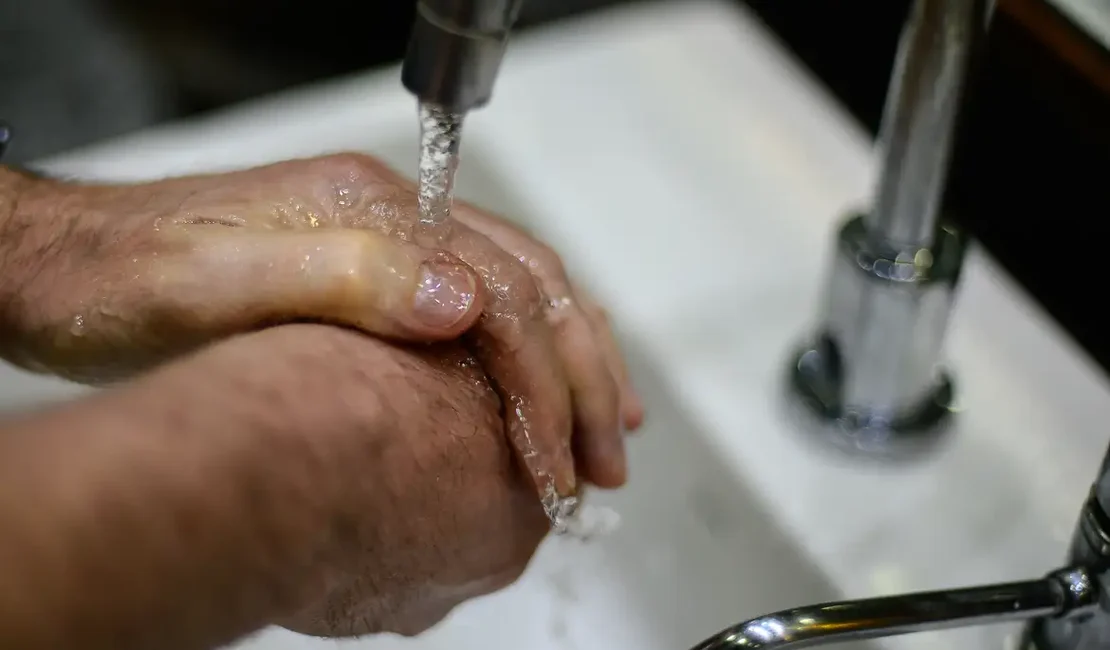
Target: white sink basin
<point>692,174</point>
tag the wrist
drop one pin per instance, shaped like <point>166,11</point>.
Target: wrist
<point>25,207</point>
<point>12,186</point>
<point>203,536</point>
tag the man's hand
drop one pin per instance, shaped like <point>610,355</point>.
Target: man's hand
<point>105,281</point>
<point>303,475</point>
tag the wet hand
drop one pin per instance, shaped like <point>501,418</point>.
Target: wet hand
<point>442,515</point>
<point>106,281</point>
<point>103,282</point>
<point>377,486</point>
<point>547,344</point>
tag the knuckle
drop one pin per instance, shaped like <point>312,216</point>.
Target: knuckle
<point>549,262</point>
<point>525,291</point>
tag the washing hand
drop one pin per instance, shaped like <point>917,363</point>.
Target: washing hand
<point>106,281</point>
<point>304,475</point>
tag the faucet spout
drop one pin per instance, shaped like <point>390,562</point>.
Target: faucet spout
<point>1062,593</point>
<point>934,57</point>
<point>455,51</point>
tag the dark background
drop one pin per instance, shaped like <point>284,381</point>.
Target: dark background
<point>1030,171</point>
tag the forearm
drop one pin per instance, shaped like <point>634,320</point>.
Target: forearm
<point>143,518</point>
<point>12,183</point>
<point>22,248</point>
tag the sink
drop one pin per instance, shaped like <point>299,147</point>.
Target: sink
<point>692,175</point>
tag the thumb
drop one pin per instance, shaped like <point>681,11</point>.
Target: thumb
<point>241,278</point>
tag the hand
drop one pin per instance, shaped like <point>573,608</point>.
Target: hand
<point>303,475</point>
<point>430,514</point>
<point>106,281</point>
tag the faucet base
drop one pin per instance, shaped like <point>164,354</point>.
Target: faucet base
<point>813,383</point>
<point>871,374</point>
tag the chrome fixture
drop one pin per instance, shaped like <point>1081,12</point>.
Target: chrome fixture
<point>1067,610</point>
<point>455,51</point>
<point>1064,595</point>
<point>871,373</point>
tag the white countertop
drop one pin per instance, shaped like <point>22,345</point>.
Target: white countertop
<point>692,174</point>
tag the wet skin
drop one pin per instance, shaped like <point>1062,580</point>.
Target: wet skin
<point>106,281</point>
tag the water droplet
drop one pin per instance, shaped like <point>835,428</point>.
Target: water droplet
<point>77,327</point>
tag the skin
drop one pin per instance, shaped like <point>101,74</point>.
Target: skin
<point>103,282</point>
<point>243,472</point>
<point>265,479</point>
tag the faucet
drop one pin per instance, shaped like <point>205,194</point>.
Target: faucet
<point>455,51</point>
<point>871,374</point>
<point>1069,609</point>
<point>1066,594</point>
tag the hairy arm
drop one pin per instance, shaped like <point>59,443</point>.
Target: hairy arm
<point>178,513</point>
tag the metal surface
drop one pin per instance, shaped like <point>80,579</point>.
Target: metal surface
<point>1091,546</point>
<point>872,370</point>
<point>923,102</point>
<point>1068,610</point>
<point>455,51</point>
<point>1065,593</point>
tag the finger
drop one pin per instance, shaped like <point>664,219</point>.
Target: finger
<point>519,356</point>
<point>598,445</point>
<point>512,340</point>
<point>234,278</point>
<point>632,407</point>
<point>516,347</point>
<point>586,378</point>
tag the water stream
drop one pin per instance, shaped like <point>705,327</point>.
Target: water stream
<point>440,138</point>
<point>440,135</point>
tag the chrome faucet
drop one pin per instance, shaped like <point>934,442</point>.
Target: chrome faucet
<point>455,51</point>
<point>1069,609</point>
<point>872,372</point>
<point>1065,595</point>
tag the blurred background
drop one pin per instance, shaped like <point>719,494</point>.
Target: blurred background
<point>1030,166</point>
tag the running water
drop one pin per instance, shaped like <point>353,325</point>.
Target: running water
<point>440,133</point>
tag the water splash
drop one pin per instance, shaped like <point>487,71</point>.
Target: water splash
<point>560,510</point>
<point>440,134</point>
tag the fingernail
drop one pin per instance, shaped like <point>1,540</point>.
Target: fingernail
<point>444,295</point>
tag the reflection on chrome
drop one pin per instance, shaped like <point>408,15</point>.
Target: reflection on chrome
<point>1063,593</point>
